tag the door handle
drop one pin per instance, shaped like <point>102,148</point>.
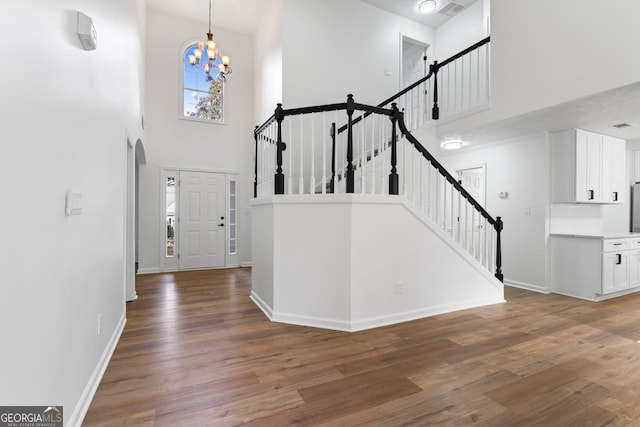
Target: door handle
<point>615,196</point>
<point>591,195</point>
<point>619,259</point>
<point>221,225</point>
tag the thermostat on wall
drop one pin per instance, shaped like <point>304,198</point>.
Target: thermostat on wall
<point>87,32</point>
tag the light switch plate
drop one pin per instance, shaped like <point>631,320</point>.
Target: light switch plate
<point>73,205</point>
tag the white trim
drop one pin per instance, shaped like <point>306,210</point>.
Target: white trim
<point>150,271</point>
<point>230,260</point>
<point>355,325</point>
<point>527,286</point>
<point>401,62</point>
<point>187,44</point>
<point>376,322</point>
<point>262,305</point>
<point>482,166</point>
<point>80,411</point>
<point>600,297</point>
<point>314,322</point>
<point>246,264</point>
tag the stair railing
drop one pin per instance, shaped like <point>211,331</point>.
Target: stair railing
<point>307,165</point>
<point>464,86</point>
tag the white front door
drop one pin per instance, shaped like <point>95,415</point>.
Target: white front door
<point>202,221</point>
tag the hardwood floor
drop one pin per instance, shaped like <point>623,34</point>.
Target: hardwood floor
<point>197,352</point>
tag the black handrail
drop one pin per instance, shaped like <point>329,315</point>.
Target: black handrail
<point>443,171</point>
<point>433,71</point>
<point>465,51</point>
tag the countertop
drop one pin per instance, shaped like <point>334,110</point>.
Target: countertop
<point>621,235</point>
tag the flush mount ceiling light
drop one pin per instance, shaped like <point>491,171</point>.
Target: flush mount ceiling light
<point>427,6</point>
<point>452,144</point>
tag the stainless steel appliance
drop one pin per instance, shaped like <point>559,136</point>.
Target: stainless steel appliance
<point>635,212</point>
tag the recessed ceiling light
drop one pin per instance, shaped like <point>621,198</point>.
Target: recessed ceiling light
<point>452,144</point>
<point>427,6</point>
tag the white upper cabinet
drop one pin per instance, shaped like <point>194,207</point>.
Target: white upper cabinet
<point>587,167</point>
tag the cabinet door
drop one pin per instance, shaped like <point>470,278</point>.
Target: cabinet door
<point>588,167</point>
<point>615,274</point>
<point>613,170</point>
<point>634,268</point>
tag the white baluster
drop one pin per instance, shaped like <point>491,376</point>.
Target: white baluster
<point>290,158</point>
<point>312,178</point>
<point>372,146</point>
<point>324,153</point>
<point>363,154</point>
<point>452,205</point>
<point>301,171</point>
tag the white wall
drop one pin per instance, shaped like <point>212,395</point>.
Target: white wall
<point>66,114</point>
<point>461,31</point>
<point>521,168</point>
<point>268,50</point>
<point>335,47</point>
<point>547,52</point>
<point>371,243</point>
<point>174,142</point>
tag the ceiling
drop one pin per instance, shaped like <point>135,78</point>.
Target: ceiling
<point>244,15</point>
<point>596,113</point>
<point>238,15</point>
<point>409,10</point>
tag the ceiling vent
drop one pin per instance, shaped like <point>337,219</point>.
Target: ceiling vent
<point>622,125</point>
<point>451,9</point>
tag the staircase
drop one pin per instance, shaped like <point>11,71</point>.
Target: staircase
<point>347,154</point>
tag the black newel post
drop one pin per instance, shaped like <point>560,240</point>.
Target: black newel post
<point>279,177</point>
<point>332,183</point>
<point>350,175</point>
<point>435,111</point>
<point>255,171</point>
<point>499,227</point>
<point>393,176</point>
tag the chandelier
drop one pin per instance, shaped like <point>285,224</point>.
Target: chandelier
<point>207,56</point>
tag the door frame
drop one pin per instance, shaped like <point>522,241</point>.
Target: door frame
<point>401,59</point>
<point>169,264</point>
<point>482,166</point>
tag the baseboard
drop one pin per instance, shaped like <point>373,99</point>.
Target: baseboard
<point>245,264</point>
<point>599,297</point>
<point>527,286</point>
<point>314,322</point>
<point>261,305</point>
<point>375,322</point>
<point>80,411</point>
<point>148,270</point>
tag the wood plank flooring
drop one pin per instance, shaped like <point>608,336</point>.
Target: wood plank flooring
<point>197,352</point>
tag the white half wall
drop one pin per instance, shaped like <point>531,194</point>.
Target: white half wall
<point>66,116</point>
<point>352,262</point>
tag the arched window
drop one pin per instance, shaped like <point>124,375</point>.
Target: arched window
<point>203,87</point>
